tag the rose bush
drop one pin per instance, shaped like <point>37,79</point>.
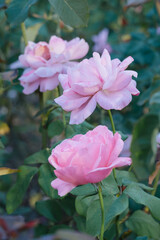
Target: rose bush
<point>86,159</point>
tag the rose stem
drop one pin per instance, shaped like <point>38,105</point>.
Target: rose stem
<point>24,33</point>
<point>114,172</point>
<point>44,132</point>
<point>102,210</point>
<point>114,131</point>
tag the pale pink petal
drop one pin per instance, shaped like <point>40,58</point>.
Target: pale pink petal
<point>16,64</point>
<point>48,71</point>
<point>76,49</point>
<point>117,146</point>
<point>113,100</point>
<point>57,45</point>
<point>125,63</point>
<point>48,84</point>
<point>62,186</point>
<point>80,114</point>
<point>28,76</point>
<point>63,78</point>
<point>86,89</point>
<point>123,80</point>
<point>121,162</point>
<point>132,88</point>
<point>70,100</point>
<point>98,174</point>
<point>30,87</point>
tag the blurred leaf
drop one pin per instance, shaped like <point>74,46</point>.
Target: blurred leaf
<point>155,173</point>
<point>46,176</point>
<point>55,128</point>
<point>71,12</point>
<point>93,221</point>
<point>155,98</point>
<point>143,224</point>
<point>50,209</point>
<point>1,145</point>
<point>143,146</point>
<point>17,11</point>
<point>32,31</point>
<point>141,197</point>
<point>6,171</point>
<point>46,110</point>
<point>4,128</point>
<point>17,191</point>
<point>72,235</point>
<point>9,76</point>
<point>134,3</point>
<point>118,207</point>
<point>38,157</point>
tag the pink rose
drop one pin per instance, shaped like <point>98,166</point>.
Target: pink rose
<point>86,159</point>
<point>44,61</point>
<point>100,41</point>
<point>97,80</point>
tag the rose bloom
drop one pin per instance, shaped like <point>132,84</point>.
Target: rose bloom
<point>86,159</point>
<point>100,41</point>
<point>44,61</point>
<point>96,80</point>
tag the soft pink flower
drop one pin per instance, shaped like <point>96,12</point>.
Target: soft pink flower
<point>97,80</point>
<point>86,159</point>
<point>44,61</point>
<point>100,41</point>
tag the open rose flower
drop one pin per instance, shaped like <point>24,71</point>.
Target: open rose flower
<point>97,80</point>
<point>86,159</point>
<point>100,41</point>
<point>44,61</point>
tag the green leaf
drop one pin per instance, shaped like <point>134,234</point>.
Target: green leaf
<point>109,185</point>
<point>32,31</point>
<point>123,136</point>
<point>71,12</point>
<point>155,98</point>
<point>17,11</point>
<point>46,176</point>
<point>124,177</point>
<point>50,209</point>
<point>1,145</point>
<point>55,128</point>
<point>93,221</point>
<point>16,194</point>
<point>143,146</point>
<point>72,235</point>
<point>82,203</point>
<point>141,197</point>
<point>38,157</point>
<point>118,206</point>
<point>87,189</point>
<point>144,225</point>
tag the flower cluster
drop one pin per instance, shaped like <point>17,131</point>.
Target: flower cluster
<point>45,61</point>
<point>99,80</point>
